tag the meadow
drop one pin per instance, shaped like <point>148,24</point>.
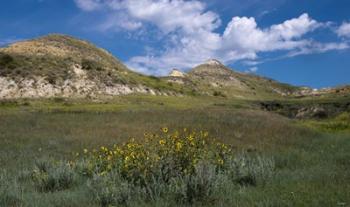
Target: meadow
<point>273,161</point>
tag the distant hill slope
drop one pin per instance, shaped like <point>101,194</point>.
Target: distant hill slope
<point>60,65</point>
<point>214,78</point>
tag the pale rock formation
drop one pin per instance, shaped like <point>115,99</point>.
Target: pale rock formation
<point>177,73</point>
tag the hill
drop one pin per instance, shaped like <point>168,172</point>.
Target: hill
<point>60,65</point>
<point>214,78</point>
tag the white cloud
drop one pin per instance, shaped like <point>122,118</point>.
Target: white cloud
<point>344,30</point>
<point>316,47</point>
<point>243,34</point>
<point>242,39</point>
<point>252,70</point>
<point>88,5</point>
<point>167,15</point>
<point>189,33</point>
<point>116,22</point>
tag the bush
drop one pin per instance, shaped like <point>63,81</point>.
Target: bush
<point>91,65</point>
<point>218,93</point>
<point>166,155</point>
<point>111,190</point>
<point>197,187</point>
<point>49,177</point>
<point>5,59</point>
<point>246,170</point>
<point>184,166</point>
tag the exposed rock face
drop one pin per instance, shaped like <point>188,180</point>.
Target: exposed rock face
<point>38,87</point>
<point>213,62</point>
<point>305,91</point>
<point>177,73</point>
<point>78,86</point>
<point>312,112</point>
<point>216,74</point>
<point>304,110</point>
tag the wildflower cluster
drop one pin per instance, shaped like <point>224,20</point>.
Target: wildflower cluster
<point>166,155</point>
<point>182,166</point>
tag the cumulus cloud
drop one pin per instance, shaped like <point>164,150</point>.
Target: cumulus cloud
<point>242,39</point>
<point>190,33</point>
<point>244,35</point>
<point>252,70</point>
<point>344,30</point>
<point>117,22</point>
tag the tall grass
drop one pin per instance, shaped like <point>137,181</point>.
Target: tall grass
<point>10,191</point>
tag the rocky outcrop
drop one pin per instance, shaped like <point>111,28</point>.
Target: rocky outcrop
<point>312,112</point>
<point>38,87</point>
<point>78,86</point>
<point>177,73</point>
<point>305,110</point>
<point>213,62</point>
<point>215,74</point>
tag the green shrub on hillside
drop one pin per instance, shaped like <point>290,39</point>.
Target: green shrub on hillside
<point>5,59</point>
<point>91,65</point>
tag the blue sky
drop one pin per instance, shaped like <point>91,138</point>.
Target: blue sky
<point>294,41</point>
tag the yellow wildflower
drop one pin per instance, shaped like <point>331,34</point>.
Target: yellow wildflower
<point>165,129</point>
<point>104,149</point>
<point>85,151</point>
<point>127,158</point>
<point>178,146</point>
<point>221,161</point>
<point>162,142</point>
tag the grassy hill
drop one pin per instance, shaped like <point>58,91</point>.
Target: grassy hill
<point>223,81</point>
<point>56,58</point>
<point>49,61</point>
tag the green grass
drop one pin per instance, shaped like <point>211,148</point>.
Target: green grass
<point>312,165</point>
<point>338,124</point>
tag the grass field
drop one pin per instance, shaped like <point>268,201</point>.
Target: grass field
<point>311,165</point>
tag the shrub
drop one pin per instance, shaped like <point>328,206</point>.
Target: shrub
<point>197,187</point>
<point>91,65</point>
<point>183,166</point>
<point>246,170</point>
<point>111,190</point>
<point>5,59</point>
<point>49,177</point>
<point>218,93</point>
<point>167,155</point>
